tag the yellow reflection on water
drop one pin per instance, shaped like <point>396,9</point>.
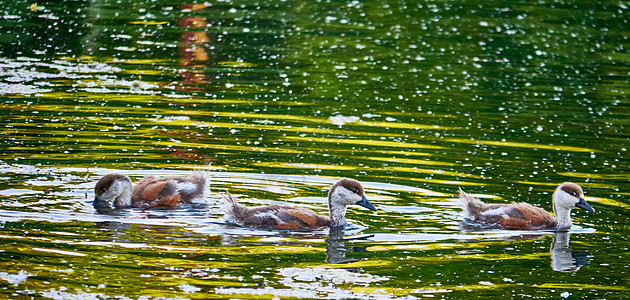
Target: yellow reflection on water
<point>378,143</point>
<point>364,263</point>
<point>137,72</point>
<point>401,125</point>
<point>596,176</point>
<point>304,166</point>
<point>135,61</point>
<point>553,185</point>
<point>520,145</point>
<point>582,286</point>
<point>237,64</point>
<point>435,172</point>
<point>447,182</point>
<point>150,23</point>
<point>482,244</point>
<point>408,161</point>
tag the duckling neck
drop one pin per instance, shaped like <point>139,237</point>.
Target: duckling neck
<point>337,214</point>
<point>563,217</point>
<point>124,198</point>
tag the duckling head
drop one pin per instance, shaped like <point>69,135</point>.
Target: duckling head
<point>114,188</point>
<point>343,193</point>
<point>348,192</point>
<point>569,195</point>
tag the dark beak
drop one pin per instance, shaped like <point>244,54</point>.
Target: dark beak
<point>582,204</point>
<point>366,203</point>
<point>99,203</point>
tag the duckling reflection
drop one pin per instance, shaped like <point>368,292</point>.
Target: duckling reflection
<point>103,208</point>
<point>336,248</point>
<point>112,226</point>
<point>563,258</point>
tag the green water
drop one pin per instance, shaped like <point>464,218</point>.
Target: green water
<point>278,100</point>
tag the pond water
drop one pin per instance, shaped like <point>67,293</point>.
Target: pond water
<point>279,99</point>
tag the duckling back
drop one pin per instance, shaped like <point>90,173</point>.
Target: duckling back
<point>272,216</point>
<point>170,191</point>
<point>508,216</point>
<point>471,206</point>
<point>487,214</point>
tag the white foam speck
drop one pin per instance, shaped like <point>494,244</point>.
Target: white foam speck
<point>61,295</point>
<point>15,279</point>
<point>342,120</point>
<point>286,293</point>
<point>189,288</point>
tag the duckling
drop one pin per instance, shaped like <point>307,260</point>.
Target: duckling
<point>525,216</point>
<point>151,191</point>
<point>343,193</point>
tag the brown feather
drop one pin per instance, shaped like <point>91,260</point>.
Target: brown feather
<point>289,226</point>
<point>284,217</point>
<point>306,216</point>
<point>538,217</point>
<point>154,192</point>
<point>527,217</point>
<point>515,223</point>
<point>167,201</point>
<point>150,191</point>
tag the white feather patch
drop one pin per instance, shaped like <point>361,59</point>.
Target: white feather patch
<point>464,205</point>
<point>495,212</point>
<point>229,218</point>
<point>187,187</point>
<point>268,214</point>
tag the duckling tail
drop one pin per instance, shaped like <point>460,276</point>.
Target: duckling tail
<point>200,176</point>
<point>201,179</point>
<point>471,206</point>
<point>232,209</point>
<point>193,188</point>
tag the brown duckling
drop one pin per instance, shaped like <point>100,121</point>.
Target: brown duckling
<point>151,191</point>
<point>343,193</point>
<point>525,216</point>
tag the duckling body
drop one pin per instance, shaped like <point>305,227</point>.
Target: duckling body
<point>276,217</point>
<point>151,191</point>
<point>344,192</point>
<point>525,216</point>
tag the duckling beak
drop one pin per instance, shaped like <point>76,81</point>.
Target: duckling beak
<point>99,203</point>
<point>584,205</point>
<point>366,203</point>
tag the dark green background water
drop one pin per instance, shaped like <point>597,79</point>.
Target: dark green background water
<point>278,100</point>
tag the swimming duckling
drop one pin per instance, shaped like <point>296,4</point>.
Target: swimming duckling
<point>343,193</point>
<point>525,216</point>
<point>151,191</point>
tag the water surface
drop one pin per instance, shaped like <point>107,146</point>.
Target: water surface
<point>277,101</point>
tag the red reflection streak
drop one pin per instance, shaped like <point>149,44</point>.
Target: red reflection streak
<point>192,51</point>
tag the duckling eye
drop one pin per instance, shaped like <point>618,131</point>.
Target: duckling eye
<point>355,191</point>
